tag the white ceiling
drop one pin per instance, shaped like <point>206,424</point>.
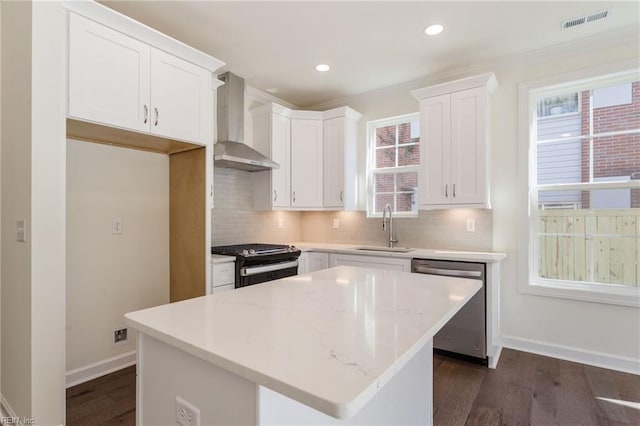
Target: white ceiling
<point>369,45</point>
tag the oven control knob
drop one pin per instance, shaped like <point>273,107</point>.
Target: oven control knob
<point>245,252</point>
<point>291,248</point>
<point>252,252</point>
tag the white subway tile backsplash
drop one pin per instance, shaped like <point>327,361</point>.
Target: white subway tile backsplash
<point>235,222</point>
<point>431,229</point>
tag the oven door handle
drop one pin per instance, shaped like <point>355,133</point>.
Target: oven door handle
<point>447,272</point>
<point>246,272</point>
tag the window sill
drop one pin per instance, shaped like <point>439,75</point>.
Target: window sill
<point>614,295</point>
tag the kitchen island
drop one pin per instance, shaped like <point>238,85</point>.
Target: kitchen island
<point>339,346</point>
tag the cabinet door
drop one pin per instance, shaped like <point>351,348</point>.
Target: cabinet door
<point>435,155</point>
<point>306,163</point>
<point>333,171</point>
<point>108,76</point>
<point>317,261</point>
<point>281,154</point>
<point>180,99</point>
<point>468,147</point>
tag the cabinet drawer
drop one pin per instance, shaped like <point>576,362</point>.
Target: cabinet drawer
<point>224,273</point>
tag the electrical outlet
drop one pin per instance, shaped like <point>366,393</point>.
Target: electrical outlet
<point>471,225</point>
<point>120,336</point>
<point>186,413</point>
<point>336,223</point>
<point>280,223</point>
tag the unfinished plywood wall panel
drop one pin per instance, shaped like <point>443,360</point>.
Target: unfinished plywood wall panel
<point>187,224</point>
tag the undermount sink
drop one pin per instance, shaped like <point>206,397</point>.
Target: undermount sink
<point>389,249</point>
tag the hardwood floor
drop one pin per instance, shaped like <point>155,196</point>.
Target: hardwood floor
<point>525,389</point>
<point>107,400</point>
<point>532,389</point>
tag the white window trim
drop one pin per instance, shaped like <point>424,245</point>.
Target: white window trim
<point>371,159</point>
<point>527,282</point>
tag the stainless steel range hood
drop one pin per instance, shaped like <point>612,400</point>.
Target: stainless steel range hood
<point>230,151</point>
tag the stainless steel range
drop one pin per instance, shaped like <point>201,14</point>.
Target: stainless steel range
<point>258,263</point>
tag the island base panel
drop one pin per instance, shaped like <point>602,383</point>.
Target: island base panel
<point>224,398</point>
<point>165,372</point>
<point>407,399</point>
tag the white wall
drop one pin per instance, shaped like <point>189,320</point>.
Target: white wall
<point>109,275</point>
<point>604,334</point>
<point>601,334</point>
<point>33,58</point>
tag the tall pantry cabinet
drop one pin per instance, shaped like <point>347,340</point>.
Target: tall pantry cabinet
<point>131,86</point>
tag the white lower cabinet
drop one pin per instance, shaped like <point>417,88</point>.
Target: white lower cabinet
<point>317,261</point>
<point>310,261</point>
<point>375,262</point>
<point>223,277</point>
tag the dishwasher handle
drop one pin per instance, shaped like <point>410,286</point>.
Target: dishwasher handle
<point>448,272</point>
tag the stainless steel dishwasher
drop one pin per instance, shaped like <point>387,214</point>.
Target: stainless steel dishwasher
<point>465,334</point>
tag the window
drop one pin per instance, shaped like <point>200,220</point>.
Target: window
<point>394,157</point>
<point>584,188</point>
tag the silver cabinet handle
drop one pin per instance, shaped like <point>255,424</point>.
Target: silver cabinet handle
<point>157,116</point>
<point>342,195</point>
<point>275,195</point>
<point>294,196</point>
<point>454,190</point>
<point>446,191</point>
<point>146,114</point>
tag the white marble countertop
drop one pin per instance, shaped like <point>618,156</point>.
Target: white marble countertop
<point>463,255</point>
<point>329,339</point>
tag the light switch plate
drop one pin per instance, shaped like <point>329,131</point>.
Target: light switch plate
<point>21,231</point>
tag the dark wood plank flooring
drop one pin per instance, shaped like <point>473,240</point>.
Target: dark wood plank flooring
<point>525,389</point>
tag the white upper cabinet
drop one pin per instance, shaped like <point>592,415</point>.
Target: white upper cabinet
<point>340,151</point>
<point>455,143</point>
<point>316,152</point>
<point>272,137</point>
<point>306,162</point>
<point>118,81</point>
<point>108,76</point>
<point>180,98</point>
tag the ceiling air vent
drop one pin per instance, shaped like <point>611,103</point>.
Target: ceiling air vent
<point>571,23</point>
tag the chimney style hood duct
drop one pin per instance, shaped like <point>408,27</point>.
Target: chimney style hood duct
<point>230,151</point>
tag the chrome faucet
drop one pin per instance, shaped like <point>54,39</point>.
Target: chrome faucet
<point>387,223</point>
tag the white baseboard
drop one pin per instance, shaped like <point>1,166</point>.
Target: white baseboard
<point>5,408</point>
<point>101,368</point>
<point>568,353</point>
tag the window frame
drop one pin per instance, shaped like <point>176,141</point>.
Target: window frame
<point>528,281</point>
<point>372,170</point>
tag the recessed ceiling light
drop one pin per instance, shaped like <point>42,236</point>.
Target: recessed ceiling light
<point>433,29</point>
<point>322,67</point>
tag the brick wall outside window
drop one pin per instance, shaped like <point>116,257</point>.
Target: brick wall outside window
<point>395,148</point>
<point>613,155</point>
